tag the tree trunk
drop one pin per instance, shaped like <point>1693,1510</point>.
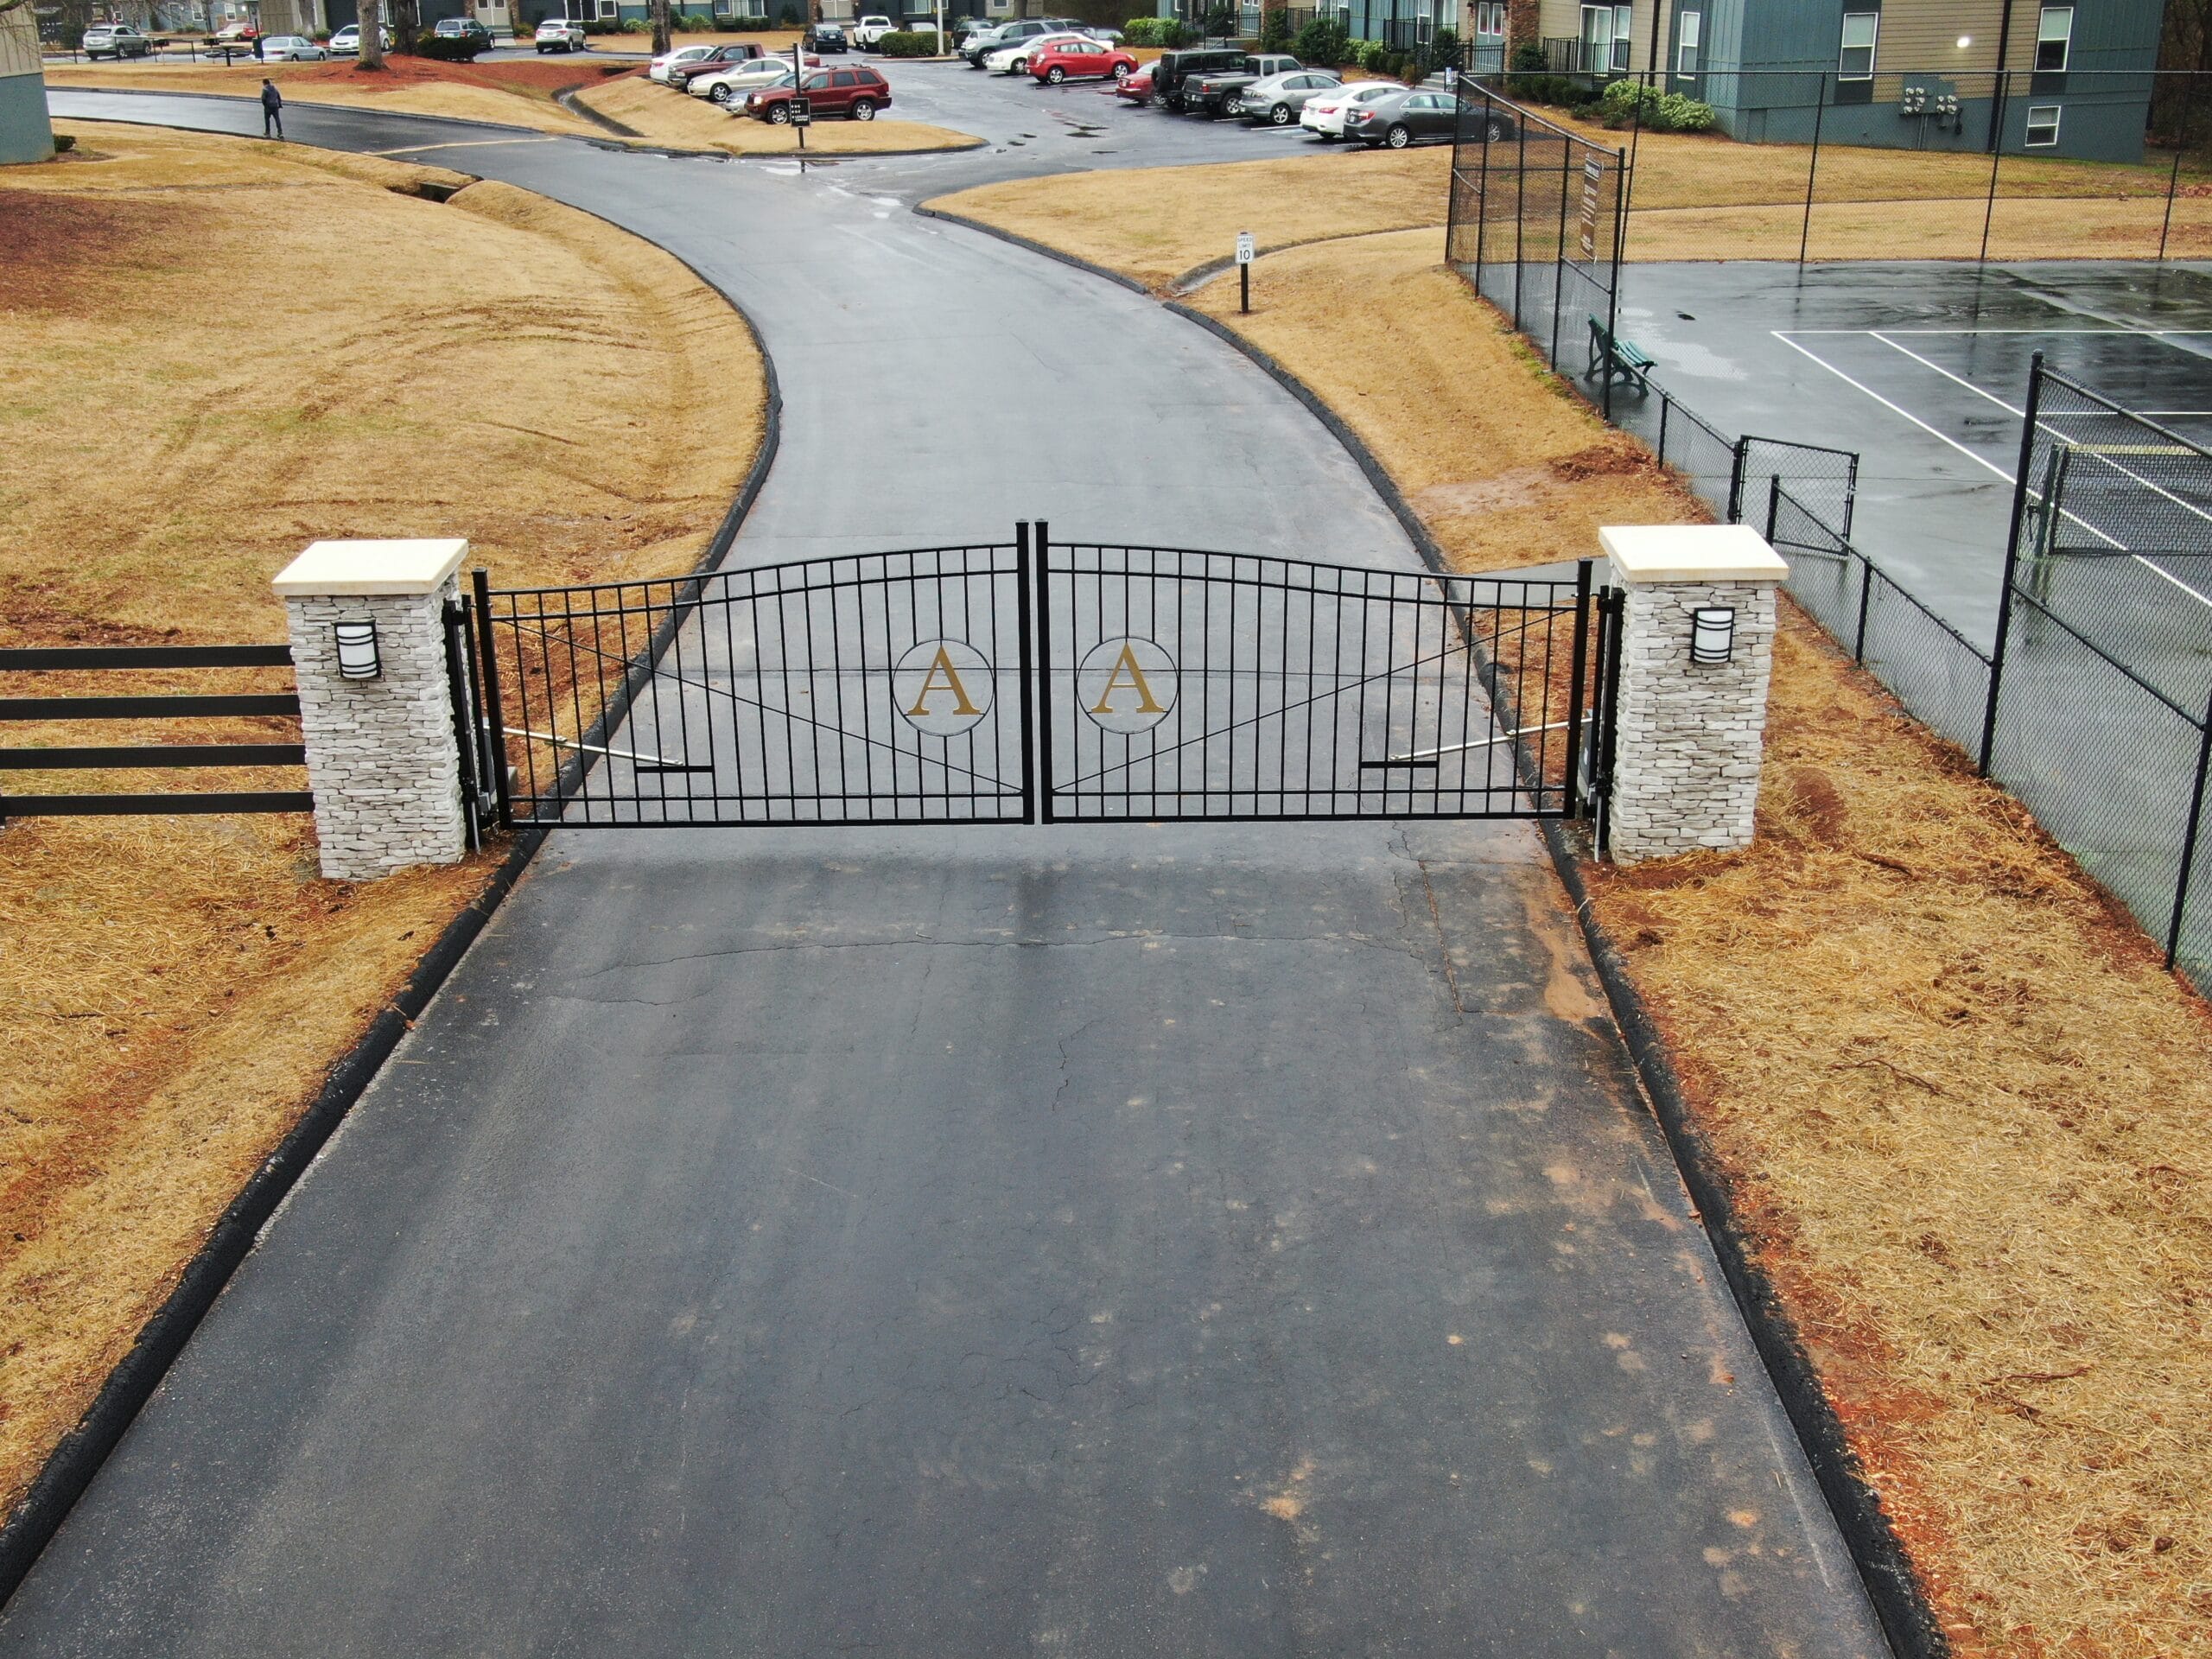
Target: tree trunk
<point>371,21</point>
<point>406,24</point>
<point>664,37</point>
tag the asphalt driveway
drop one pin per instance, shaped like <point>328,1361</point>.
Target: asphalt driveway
<point>1179,1240</point>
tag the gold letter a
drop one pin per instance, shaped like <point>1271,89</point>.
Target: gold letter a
<point>1136,683</point>
<point>951,682</point>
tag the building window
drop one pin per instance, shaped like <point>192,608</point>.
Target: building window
<point>1424,21</point>
<point>1605,39</point>
<point>1686,33</point>
<point>1489,17</point>
<point>2054,40</point>
<point>1859,29</point>
<point>2043,126</point>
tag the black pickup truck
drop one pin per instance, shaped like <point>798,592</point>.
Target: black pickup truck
<point>1212,92</point>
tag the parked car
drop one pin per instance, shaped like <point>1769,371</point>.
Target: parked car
<point>562,34</point>
<point>979,46</point>
<point>1014,59</point>
<point>1407,118</point>
<point>1212,94</point>
<point>717,60</point>
<point>731,83</point>
<point>1278,99</point>
<point>1083,59</point>
<point>868,33</point>
<point>1172,69</point>
<point>1325,113</point>
<point>859,93</point>
<point>463,28</point>
<point>1136,88</point>
<point>291,49</point>
<point>347,42</point>
<point>117,41</point>
<point>827,37</point>
<point>658,68</point>
<point>239,34</point>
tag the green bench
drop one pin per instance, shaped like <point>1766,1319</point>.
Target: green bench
<point>1617,360</point>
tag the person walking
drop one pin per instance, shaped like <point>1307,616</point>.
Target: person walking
<point>272,109</point>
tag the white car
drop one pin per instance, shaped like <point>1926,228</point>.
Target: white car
<point>657,69</point>
<point>729,87</point>
<point>869,31</point>
<point>347,42</point>
<point>291,49</point>
<point>1012,60</point>
<point>1324,112</point>
<point>561,35</point>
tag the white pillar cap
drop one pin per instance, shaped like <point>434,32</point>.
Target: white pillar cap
<point>342,569</point>
<point>1691,553</point>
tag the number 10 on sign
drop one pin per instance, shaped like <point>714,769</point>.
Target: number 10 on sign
<point>1245,249</point>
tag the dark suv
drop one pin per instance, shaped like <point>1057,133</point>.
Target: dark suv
<point>1176,67</point>
<point>989,39</point>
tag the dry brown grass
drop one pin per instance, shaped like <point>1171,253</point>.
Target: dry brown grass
<point>678,119</point>
<point>1157,224</point>
<point>509,94</point>
<point>207,363</point>
<point>1969,1115</point>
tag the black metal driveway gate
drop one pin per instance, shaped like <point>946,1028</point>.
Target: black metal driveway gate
<point>1032,681</point>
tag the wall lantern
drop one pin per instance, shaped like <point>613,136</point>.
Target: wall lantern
<point>357,651</point>
<point>1713,634</point>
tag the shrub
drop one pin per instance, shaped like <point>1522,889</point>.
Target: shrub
<point>909,43</point>
<point>448,49</point>
<point>1221,20</point>
<point>696,23</point>
<point>1528,58</point>
<point>789,17</point>
<point>1685,114</point>
<point>636,26</point>
<point>1441,52</point>
<point>1544,89</point>
<point>1324,40</point>
<point>1274,29</point>
<point>1624,102</point>
<point>1141,31</point>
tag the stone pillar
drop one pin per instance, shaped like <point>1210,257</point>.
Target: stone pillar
<point>26,134</point>
<point>381,754</point>
<point>1686,767</point>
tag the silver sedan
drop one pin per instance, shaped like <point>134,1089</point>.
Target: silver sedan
<point>1278,99</point>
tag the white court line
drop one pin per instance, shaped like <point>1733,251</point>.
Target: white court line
<point>2021,414</point>
<point>2145,333</point>
<point>1894,409</point>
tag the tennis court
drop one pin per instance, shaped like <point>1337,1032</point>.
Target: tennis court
<point>1922,369</point>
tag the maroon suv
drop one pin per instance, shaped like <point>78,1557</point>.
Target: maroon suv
<point>858,92</point>
<point>723,57</point>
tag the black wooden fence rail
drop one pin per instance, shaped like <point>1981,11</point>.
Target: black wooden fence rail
<point>160,706</point>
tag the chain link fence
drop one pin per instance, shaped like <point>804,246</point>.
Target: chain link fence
<point>2091,708</point>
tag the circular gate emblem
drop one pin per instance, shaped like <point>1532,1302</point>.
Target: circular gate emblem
<point>1125,685</point>
<point>941,687</point>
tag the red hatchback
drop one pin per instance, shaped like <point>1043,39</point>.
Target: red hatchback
<point>1082,61</point>
<point>859,93</point>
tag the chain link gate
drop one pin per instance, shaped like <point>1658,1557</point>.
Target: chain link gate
<point>1028,681</point>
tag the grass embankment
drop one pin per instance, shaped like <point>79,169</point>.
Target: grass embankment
<point>1696,197</point>
<point>681,120</point>
<point>211,359</point>
<point>1968,1114</point>
<point>521,94</point>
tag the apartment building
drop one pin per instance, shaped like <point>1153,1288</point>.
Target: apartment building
<point>1912,73</point>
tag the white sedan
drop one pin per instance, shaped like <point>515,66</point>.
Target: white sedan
<point>1324,112</point>
<point>291,49</point>
<point>1012,60</point>
<point>657,69</point>
<point>730,86</point>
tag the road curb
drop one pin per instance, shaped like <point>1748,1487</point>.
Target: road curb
<point>77,1459</point>
<point>1019,241</point>
<point>1900,1601</point>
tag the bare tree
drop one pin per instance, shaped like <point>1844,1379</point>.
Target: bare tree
<point>371,21</point>
<point>406,24</point>
<point>664,37</point>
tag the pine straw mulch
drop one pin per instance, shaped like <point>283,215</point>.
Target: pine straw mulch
<point>206,372</point>
<point>1967,1113</point>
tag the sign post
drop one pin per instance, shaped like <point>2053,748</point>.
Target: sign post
<point>1245,249</point>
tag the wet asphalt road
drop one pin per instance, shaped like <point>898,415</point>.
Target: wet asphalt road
<point>1184,1240</point>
